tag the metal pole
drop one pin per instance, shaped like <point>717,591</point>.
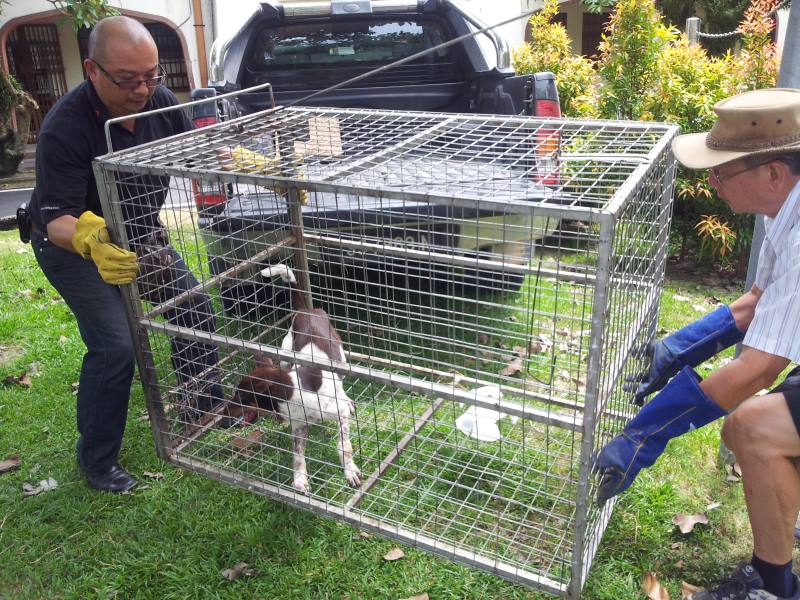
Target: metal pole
<point>693,30</point>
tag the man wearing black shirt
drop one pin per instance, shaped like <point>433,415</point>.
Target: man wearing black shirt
<point>72,245</point>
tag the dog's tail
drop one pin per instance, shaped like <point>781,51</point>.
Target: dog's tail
<point>287,275</point>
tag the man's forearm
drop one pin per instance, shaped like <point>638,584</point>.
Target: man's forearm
<point>749,373</point>
<point>743,309</point>
<point>60,231</point>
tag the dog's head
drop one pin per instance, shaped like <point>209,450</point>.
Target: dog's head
<point>261,392</point>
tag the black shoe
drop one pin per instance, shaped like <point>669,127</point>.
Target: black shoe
<point>115,479</point>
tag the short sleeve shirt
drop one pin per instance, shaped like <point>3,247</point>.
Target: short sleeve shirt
<point>73,134</point>
<point>776,325</point>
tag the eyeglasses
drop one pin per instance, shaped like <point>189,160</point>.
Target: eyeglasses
<point>130,85</point>
<point>722,178</point>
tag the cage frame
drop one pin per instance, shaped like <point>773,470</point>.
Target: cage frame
<point>586,537</point>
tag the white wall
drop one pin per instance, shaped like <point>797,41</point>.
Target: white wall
<point>178,12</point>
<point>494,11</point>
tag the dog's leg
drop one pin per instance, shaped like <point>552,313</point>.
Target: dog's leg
<point>351,472</point>
<point>300,435</point>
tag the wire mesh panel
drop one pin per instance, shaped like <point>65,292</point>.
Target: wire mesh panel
<point>491,279</point>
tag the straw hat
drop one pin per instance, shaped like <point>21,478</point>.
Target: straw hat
<point>748,124</point>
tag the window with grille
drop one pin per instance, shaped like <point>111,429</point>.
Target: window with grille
<point>34,58</point>
<point>170,54</point>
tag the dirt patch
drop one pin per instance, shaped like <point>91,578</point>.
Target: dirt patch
<point>9,353</point>
<point>702,275</point>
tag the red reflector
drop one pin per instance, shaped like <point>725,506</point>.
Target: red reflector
<point>205,196</point>
<point>205,121</point>
<point>206,200</point>
<point>547,108</point>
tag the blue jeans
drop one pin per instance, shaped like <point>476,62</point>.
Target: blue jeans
<point>108,365</point>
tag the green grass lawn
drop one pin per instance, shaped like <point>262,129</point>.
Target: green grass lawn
<point>175,534</point>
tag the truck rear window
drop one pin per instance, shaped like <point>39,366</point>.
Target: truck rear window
<point>311,55</point>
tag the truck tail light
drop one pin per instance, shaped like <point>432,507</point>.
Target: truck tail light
<point>206,195</point>
<point>547,140</point>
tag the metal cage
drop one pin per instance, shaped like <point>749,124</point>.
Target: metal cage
<point>492,279</point>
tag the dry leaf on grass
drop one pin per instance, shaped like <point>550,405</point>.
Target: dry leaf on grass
<point>423,596</point>
<point>688,588</point>
<point>713,505</point>
<point>45,485</point>
<point>512,368</point>
<point>153,475</point>
<point>32,294</point>
<point>687,522</point>
<point>734,472</point>
<point>653,588</point>
<point>249,442</point>
<point>63,339</point>
<point>236,570</point>
<point>537,347</point>
<point>394,554</point>
<point>9,464</point>
<point>22,380</point>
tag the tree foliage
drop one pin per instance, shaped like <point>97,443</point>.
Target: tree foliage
<point>551,51</point>
<point>629,53</point>
<point>83,14</point>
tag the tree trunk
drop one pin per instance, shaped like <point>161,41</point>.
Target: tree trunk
<point>12,141</point>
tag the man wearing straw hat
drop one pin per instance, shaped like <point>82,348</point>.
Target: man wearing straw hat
<point>753,155</point>
<point>72,244</point>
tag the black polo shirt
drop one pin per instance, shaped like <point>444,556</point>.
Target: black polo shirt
<point>73,133</point>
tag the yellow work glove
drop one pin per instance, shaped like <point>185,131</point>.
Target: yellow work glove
<point>91,240</point>
<point>247,161</point>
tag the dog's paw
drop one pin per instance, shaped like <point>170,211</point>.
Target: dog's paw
<point>353,475</point>
<point>300,483</point>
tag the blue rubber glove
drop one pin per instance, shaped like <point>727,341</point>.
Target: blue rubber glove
<point>689,346</point>
<point>680,407</point>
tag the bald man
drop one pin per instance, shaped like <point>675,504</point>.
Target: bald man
<point>73,248</point>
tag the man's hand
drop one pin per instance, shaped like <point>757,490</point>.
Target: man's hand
<point>246,161</point>
<point>91,241</point>
<point>243,160</point>
<point>662,367</point>
<point>689,346</point>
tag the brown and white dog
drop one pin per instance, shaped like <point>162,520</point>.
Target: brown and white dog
<point>299,394</point>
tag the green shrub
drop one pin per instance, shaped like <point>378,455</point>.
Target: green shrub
<point>648,71</point>
<point>551,51</point>
<point>629,54</point>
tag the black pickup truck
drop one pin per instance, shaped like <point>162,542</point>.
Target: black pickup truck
<point>302,46</point>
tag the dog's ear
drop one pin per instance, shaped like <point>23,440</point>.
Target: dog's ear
<point>258,390</point>
<point>262,361</point>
